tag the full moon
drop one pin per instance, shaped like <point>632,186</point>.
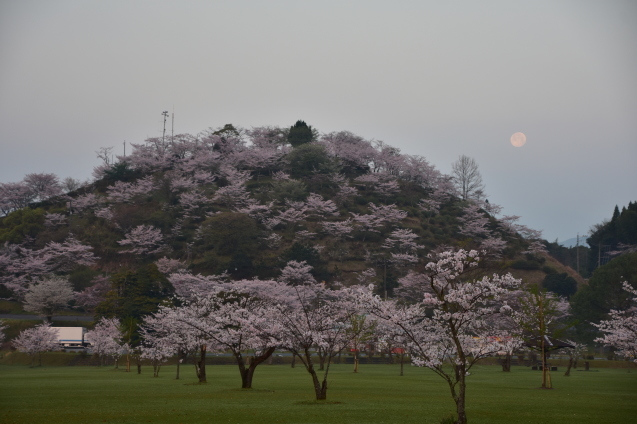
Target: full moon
<point>518,139</point>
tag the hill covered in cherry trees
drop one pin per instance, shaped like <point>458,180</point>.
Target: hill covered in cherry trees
<point>241,204</point>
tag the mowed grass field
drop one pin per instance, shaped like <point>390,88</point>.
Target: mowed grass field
<point>377,394</point>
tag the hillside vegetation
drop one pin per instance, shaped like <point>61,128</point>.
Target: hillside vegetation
<point>242,203</point>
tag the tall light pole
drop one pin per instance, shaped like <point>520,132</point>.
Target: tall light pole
<point>165,115</point>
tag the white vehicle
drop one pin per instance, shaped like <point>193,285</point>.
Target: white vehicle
<point>71,336</point>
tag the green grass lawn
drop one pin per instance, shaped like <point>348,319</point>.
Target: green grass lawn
<point>284,395</point>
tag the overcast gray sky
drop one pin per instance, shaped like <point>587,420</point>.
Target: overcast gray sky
<point>437,79</point>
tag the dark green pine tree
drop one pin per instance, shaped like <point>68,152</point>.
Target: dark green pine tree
<point>300,133</point>
<point>615,214</point>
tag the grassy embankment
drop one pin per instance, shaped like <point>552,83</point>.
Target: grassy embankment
<point>284,395</point>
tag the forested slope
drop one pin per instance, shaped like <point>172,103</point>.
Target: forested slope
<point>242,203</point>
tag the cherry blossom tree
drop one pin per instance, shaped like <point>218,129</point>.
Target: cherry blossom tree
<point>192,202</point>
<point>387,159</point>
<point>192,287</point>
<point>621,328</point>
<point>232,195</point>
<point>403,241</point>
<point>84,202</point>
<point>457,332</point>
<point>227,317</point>
<point>354,151</point>
<point>400,251</point>
<point>166,331</point>
<point>156,351</point>
<point>169,266</point>
<point>508,345</point>
<point>473,222</point>
<point>123,192</point>
<point>393,340</point>
<point>417,169</point>
<point>36,340</point>
<point>53,220</point>
<point>309,316</point>
<point>574,353</point>
<point>143,240</point>
<point>379,217</point>
<point>106,338</point>
<point>296,212</point>
<point>93,295</point>
<point>14,196</point>
<point>65,256</point>
<point>43,186</point>
<point>338,229</point>
<point>315,205</point>
<point>106,214</point>
<point>48,295</point>
<point>534,237</point>
<point>169,326</point>
<point>24,266</point>
<point>297,273</point>
<point>387,214</point>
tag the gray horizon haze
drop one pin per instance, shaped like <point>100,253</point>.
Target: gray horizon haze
<point>436,79</point>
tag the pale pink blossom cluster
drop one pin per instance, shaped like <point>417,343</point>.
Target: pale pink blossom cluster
<point>452,325</point>
<point>621,328</point>
<point>37,340</point>
<point>143,240</point>
<point>106,338</point>
<point>93,295</point>
<point>19,266</point>
<point>124,192</point>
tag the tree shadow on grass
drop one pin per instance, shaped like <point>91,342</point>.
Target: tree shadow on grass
<point>317,402</point>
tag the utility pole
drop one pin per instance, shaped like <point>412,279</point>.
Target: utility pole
<point>124,148</point>
<point>577,252</point>
<point>163,137</point>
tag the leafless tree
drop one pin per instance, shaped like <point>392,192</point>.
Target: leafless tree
<point>467,178</point>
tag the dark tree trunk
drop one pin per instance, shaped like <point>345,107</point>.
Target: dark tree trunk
<point>321,356</point>
<point>570,365</point>
<point>506,363</point>
<point>247,372</point>
<point>320,388</point>
<point>180,356</point>
<point>293,360</point>
<point>402,364</point>
<point>459,396</point>
<point>546,375</point>
<point>200,365</point>
<point>460,403</point>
